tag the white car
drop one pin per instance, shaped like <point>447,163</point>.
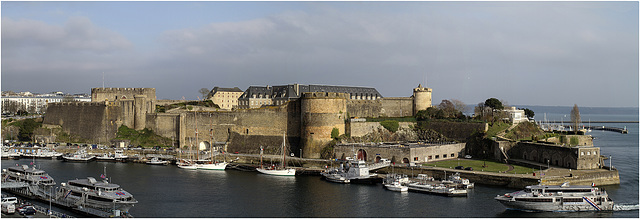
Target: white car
<point>467,156</point>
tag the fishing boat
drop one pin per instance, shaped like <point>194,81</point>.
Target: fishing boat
<point>157,161</point>
<point>99,195</point>
<point>277,170</point>
<point>557,198</point>
<point>79,156</point>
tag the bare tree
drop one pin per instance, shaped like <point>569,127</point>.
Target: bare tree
<point>459,105</point>
<point>204,92</point>
<point>575,117</point>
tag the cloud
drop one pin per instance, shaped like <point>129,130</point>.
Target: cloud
<point>78,34</point>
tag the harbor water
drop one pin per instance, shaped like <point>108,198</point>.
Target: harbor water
<point>168,191</point>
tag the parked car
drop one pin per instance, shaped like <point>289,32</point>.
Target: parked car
<point>459,167</point>
<point>467,156</point>
<point>27,210</point>
<point>8,208</point>
<point>468,168</point>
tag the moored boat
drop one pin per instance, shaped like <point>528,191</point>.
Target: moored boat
<point>117,156</point>
<point>90,193</point>
<point>157,161</point>
<point>557,198</point>
<point>27,181</point>
<point>396,183</point>
<point>79,156</point>
<point>281,170</point>
<point>356,171</point>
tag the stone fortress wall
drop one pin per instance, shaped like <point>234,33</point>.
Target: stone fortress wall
<point>307,122</point>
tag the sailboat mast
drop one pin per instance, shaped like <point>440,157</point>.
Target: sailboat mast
<point>261,157</point>
<point>284,152</point>
<point>196,128</point>
<point>211,133</point>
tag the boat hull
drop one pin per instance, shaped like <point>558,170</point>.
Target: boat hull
<point>443,192</point>
<point>213,166</point>
<point>396,188</point>
<point>285,172</point>
<point>554,206</point>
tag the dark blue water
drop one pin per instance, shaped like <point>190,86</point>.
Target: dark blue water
<point>167,191</point>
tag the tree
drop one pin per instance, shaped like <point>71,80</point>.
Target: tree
<point>529,113</point>
<point>459,105</point>
<point>494,104</point>
<point>335,133</point>
<point>204,92</point>
<point>575,117</point>
<point>448,109</point>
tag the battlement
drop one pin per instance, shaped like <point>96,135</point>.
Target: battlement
<point>78,104</point>
<point>119,89</point>
<point>327,95</point>
<point>118,94</point>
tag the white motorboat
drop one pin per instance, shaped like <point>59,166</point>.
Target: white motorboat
<point>395,182</point>
<point>462,182</point>
<point>557,198</point>
<point>79,156</point>
<point>157,161</point>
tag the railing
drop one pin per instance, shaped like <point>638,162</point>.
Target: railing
<point>375,166</point>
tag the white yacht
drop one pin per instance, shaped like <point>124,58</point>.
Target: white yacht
<point>90,193</point>
<point>557,198</point>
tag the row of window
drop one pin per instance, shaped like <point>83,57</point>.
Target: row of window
<point>437,156</point>
<point>588,153</point>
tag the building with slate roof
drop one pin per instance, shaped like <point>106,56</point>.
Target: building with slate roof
<point>225,98</point>
<point>258,96</point>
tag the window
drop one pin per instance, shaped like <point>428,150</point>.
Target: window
<point>444,156</point>
<point>415,159</point>
<point>430,157</point>
<point>437,156</point>
<point>588,153</point>
<point>582,153</point>
<point>453,155</point>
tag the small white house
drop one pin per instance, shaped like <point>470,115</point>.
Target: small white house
<point>516,115</point>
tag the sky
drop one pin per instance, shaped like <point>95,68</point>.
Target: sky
<point>524,53</point>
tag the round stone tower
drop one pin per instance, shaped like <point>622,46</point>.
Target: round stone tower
<point>320,113</point>
<point>421,98</point>
<point>140,112</point>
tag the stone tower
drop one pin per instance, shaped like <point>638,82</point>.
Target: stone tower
<point>421,98</point>
<point>320,113</point>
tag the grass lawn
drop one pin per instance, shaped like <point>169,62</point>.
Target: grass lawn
<point>491,166</point>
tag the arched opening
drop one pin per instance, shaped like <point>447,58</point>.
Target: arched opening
<point>405,160</point>
<point>362,155</point>
<point>378,159</point>
<point>204,145</point>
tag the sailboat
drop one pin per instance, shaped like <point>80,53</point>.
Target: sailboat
<point>214,164</point>
<point>190,164</point>
<point>279,171</point>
